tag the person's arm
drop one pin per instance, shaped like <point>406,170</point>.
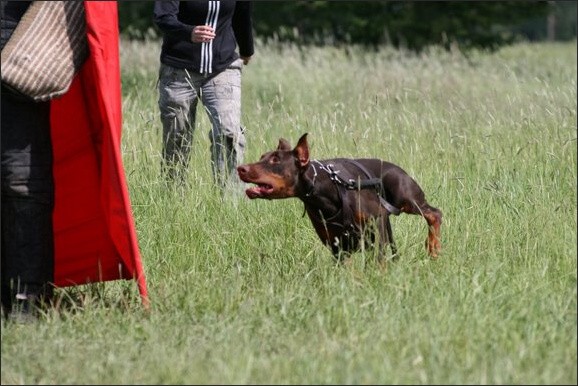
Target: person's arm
<point>243,28</point>
<point>165,16</point>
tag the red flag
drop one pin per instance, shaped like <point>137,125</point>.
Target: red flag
<point>95,237</point>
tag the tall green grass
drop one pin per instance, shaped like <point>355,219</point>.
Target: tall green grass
<point>243,291</point>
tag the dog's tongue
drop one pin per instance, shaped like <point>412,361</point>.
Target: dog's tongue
<point>253,192</point>
<point>259,191</point>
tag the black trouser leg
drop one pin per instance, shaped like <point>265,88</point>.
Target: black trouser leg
<point>27,199</point>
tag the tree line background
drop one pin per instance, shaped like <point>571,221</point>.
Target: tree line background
<point>402,24</point>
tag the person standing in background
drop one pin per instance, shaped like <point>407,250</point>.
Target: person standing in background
<point>199,60</point>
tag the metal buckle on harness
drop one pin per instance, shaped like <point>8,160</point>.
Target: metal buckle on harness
<point>332,173</point>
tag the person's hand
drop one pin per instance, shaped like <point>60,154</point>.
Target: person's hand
<point>202,34</point>
<point>246,59</point>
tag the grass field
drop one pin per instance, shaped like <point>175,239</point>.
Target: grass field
<point>243,292</point>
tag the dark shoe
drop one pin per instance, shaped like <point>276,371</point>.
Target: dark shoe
<point>24,309</point>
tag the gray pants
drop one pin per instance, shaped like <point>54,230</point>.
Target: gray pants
<point>220,94</point>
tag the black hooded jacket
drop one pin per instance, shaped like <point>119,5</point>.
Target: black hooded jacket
<point>232,23</point>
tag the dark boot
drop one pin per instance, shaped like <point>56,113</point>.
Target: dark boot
<point>24,309</point>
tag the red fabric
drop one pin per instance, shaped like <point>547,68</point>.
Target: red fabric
<point>95,237</point>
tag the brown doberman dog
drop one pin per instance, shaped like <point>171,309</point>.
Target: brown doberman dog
<point>347,200</point>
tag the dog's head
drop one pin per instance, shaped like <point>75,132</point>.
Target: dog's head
<point>277,173</point>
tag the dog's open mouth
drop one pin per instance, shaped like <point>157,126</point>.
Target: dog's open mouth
<point>260,190</point>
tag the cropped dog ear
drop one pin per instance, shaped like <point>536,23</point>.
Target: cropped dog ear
<point>283,144</point>
<point>302,151</point>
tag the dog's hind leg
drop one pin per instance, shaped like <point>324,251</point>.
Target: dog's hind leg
<point>384,235</point>
<point>433,216</point>
<point>389,231</point>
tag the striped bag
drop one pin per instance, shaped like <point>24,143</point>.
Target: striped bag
<point>46,49</point>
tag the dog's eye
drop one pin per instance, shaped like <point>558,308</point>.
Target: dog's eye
<point>274,159</point>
